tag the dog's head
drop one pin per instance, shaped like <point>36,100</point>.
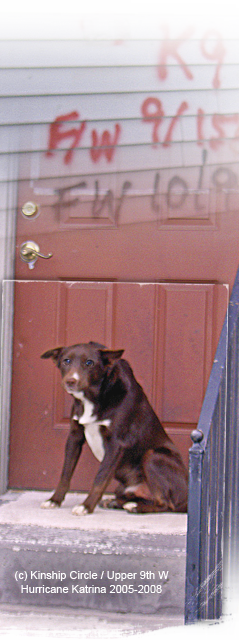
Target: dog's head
<point>83,366</point>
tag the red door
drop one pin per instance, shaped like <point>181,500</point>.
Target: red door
<point>102,283</point>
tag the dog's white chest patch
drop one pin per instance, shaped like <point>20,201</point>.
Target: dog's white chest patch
<point>87,416</point>
<point>95,440</point>
<point>92,426</point>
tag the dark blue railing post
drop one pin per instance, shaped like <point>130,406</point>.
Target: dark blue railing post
<point>194,529</point>
<point>213,503</point>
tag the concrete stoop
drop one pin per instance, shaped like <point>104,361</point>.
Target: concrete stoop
<point>58,622</point>
<point>110,561</point>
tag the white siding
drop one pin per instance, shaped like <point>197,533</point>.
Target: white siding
<point>118,86</point>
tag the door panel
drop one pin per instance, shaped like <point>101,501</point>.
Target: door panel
<point>169,333</point>
<point>187,350</point>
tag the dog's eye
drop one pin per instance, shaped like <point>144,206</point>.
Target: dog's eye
<point>66,361</point>
<point>89,363</point>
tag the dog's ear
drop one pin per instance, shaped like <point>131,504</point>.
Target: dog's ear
<point>109,357</point>
<point>53,353</point>
<point>97,345</point>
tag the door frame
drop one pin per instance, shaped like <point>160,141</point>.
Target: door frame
<point>8,191</point>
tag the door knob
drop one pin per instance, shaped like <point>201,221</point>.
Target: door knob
<point>30,252</point>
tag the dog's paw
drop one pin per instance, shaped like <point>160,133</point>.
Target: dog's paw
<point>131,507</point>
<point>80,510</point>
<point>49,504</point>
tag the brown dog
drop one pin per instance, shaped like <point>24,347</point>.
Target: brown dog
<point>112,413</point>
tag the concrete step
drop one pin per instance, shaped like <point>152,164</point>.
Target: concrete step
<point>58,622</point>
<point>109,561</point>
<point>36,623</point>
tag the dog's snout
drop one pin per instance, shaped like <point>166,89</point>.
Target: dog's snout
<point>71,383</point>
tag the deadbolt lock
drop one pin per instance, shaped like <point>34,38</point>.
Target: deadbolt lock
<point>30,252</point>
<point>29,209</point>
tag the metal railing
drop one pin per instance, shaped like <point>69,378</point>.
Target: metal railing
<point>213,505</point>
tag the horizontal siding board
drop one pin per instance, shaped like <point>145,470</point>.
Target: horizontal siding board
<point>107,80</point>
<point>83,53</point>
<point>113,107</point>
<point>34,27</point>
<point>72,6</point>
<point>34,137</point>
<point>27,110</point>
<point>126,158</point>
<point>129,158</point>
<point>180,154</point>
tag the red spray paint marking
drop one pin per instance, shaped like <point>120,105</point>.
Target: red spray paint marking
<point>104,146</point>
<point>218,122</point>
<point>217,53</point>
<point>56,134</point>
<point>168,138</point>
<point>156,117</point>
<point>170,48</point>
<point>152,111</point>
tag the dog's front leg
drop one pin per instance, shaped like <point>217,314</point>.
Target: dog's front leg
<point>106,471</point>
<point>73,449</point>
